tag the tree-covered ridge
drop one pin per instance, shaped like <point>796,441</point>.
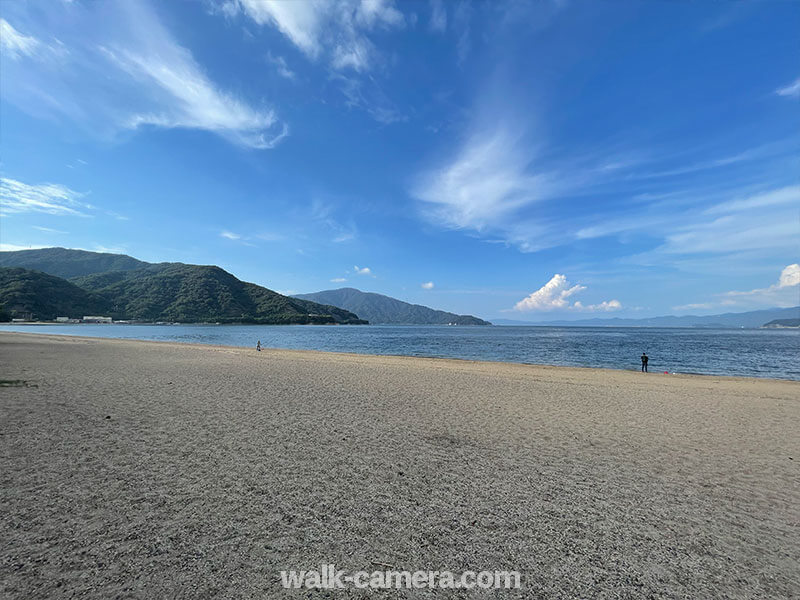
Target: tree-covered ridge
<point>195,293</point>
<point>26,294</point>
<point>136,290</point>
<point>383,309</point>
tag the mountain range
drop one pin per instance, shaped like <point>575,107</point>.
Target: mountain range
<point>377,308</point>
<point>755,318</point>
<point>34,285</point>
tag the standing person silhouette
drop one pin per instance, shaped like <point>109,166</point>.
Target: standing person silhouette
<point>644,362</point>
<point>258,346</point>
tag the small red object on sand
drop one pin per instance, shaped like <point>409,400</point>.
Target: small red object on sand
<point>666,372</point>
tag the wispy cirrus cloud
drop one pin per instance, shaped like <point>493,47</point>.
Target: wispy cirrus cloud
<point>16,44</point>
<point>336,33</point>
<point>323,213</point>
<point>791,90</point>
<point>49,230</point>
<point>49,198</point>
<point>362,270</point>
<point>438,21</point>
<point>339,31</point>
<point>281,67</point>
<point>556,294</point>
<point>484,185</point>
<point>506,186</point>
<point>121,69</point>
<point>428,285</point>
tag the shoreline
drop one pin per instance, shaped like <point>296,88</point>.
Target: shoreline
<point>406,357</point>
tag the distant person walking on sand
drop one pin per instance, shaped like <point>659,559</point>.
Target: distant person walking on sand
<point>644,362</point>
<point>258,346</point>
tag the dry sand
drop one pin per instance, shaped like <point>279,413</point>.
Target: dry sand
<point>220,466</point>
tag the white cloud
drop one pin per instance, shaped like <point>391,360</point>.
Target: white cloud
<point>438,20</point>
<point>367,95</point>
<point>15,43</point>
<point>337,30</point>
<point>555,294</point>
<point>785,195</point>
<point>428,285</point>
<point>550,296</point>
<point>695,306</point>
<point>15,247</point>
<point>605,306</point>
<point>791,90</point>
<point>50,198</point>
<point>789,276</point>
<point>281,66</point>
<point>338,280</point>
<point>483,186</point>
<point>324,213</point>
<point>745,227</point>
<point>119,68</point>
<point>48,229</point>
<point>230,235</point>
<point>184,95</point>
<point>362,270</point>
<point>301,22</point>
<point>786,292</point>
<point>110,249</point>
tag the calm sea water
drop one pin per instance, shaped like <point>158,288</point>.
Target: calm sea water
<point>748,352</point>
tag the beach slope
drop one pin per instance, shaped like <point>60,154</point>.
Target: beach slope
<point>153,470</point>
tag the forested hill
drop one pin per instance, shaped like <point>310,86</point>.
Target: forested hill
<point>384,309</point>
<point>28,294</point>
<point>136,290</point>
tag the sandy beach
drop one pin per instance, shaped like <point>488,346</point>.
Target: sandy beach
<point>158,470</point>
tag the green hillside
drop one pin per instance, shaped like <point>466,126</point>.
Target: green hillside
<point>136,290</point>
<point>194,293</point>
<point>26,294</point>
<point>377,308</point>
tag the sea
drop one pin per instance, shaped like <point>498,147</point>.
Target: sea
<point>773,353</point>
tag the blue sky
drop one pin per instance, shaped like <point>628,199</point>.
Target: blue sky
<point>522,160</point>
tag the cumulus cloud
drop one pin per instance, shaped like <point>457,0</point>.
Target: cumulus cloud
<point>15,43</point>
<point>338,30</point>
<point>50,198</point>
<point>792,90</point>
<point>555,295</point>
<point>428,285</point>
<point>606,305</point>
<point>786,292</point>
<point>362,270</point>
